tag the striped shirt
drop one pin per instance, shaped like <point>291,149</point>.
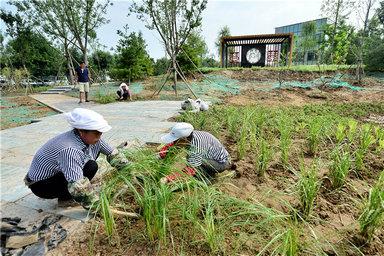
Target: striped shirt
<point>65,153</point>
<point>204,146</point>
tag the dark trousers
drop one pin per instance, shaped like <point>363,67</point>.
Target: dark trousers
<point>57,186</point>
<point>125,95</point>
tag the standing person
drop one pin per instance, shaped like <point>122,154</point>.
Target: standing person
<point>206,155</point>
<point>64,166</point>
<point>124,92</point>
<point>83,77</point>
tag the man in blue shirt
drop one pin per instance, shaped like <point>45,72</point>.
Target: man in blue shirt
<point>83,77</point>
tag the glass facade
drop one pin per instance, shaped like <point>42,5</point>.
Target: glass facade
<point>309,57</point>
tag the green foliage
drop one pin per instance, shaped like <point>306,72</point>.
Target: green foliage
<point>338,43</point>
<point>34,52</point>
<point>290,246</point>
<point>307,40</point>
<point>308,186</point>
<point>161,65</point>
<point>373,214</point>
<point>105,97</point>
<point>210,62</point>
<point>285,129</point>
<point>101,60</point>
<point>223,32</point>
<point>132,59</point>
<point>374,43</point>
<point>263,156</point>
<point>340,167</point>
<point>193,50</point>
<point>365,141</point>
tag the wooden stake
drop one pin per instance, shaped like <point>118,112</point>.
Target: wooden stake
<point>125,214</point>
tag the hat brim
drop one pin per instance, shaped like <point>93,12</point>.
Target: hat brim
<point>168,138</point>
<point>105,128</point>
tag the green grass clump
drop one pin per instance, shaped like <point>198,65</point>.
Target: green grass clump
<point>365,141</point>
<point>290,246</point>
<point>373,214</point>
<point>340,167</point>
<point>285,129</point>
<point>264,155</point>
<point>104,98</point>
<point>315,129</point>
<point>308,186</point>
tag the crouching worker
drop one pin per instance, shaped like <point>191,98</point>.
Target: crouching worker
<point>124,93</point>
<point>64,166</point>
<point>206,156</point>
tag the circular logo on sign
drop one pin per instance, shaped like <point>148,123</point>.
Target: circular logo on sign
<point>253,55</point>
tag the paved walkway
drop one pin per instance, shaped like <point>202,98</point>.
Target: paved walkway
<point>141,121</point>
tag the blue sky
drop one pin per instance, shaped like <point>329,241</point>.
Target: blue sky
<point>242,16</point>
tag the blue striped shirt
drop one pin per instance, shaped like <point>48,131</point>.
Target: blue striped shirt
<point>205,146</point>
<point>65,153</point>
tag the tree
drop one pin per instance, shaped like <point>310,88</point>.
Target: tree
<point>132,60</point>
<point>28,49</point>
<point>307,41</point>
<point>337,12</point>
<point>161,65</point>
<point>210,62</point>
<point>82,18</point>
<point>374,45</point>
<point>174,20</point>
<point>193,52</point>
<point>223,32</point>
<point>337,45</point>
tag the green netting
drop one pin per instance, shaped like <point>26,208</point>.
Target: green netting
<point>12,113</point>
<point>331,82</point>
<point>136,88</point>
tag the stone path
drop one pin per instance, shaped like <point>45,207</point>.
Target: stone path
<point>141,121</point>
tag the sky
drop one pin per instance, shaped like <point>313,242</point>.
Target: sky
<point>243,17</point>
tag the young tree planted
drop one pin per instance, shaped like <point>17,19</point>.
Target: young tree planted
<point>174,20</point>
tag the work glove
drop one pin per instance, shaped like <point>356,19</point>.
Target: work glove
<point>164,150</point>
<point>83,192</point>
<point>190,171</point>
<point>117,159</point>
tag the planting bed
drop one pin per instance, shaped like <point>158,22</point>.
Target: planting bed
<point>307,161</point>
<point>21,110</point>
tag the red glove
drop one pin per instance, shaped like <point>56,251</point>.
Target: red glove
<point>164,150</point>
<point>190,171</point>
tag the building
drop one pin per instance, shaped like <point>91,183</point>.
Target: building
<point>256,50</point>
<point>308,57</point>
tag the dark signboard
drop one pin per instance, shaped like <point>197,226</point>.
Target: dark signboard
<point>253,55</point>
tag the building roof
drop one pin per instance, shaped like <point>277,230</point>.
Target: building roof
<point>256,39</point>
<point>302,22</point>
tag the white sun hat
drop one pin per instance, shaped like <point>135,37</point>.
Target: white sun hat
<point>87,119</point>
<point>179,130</point>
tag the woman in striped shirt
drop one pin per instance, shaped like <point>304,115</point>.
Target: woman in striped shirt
<point>64,166</point>
<point>206,154</point>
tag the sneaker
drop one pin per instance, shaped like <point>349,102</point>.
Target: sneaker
<point>80,102</point>
<point>87,101</point>
<point>67,203</point>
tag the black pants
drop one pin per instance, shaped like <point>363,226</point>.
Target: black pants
<point>57,186</point>
<point>125,95</point>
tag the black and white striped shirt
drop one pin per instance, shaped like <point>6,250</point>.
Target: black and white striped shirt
<point>205,146</point>
<point>65,153</point>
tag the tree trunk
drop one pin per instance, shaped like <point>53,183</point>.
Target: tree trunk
<point>174,73</point>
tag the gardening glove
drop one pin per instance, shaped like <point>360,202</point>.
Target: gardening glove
<point>164,150</point>
<point>117,159</point>
<point>190,171</point>
<point>83,192</point>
